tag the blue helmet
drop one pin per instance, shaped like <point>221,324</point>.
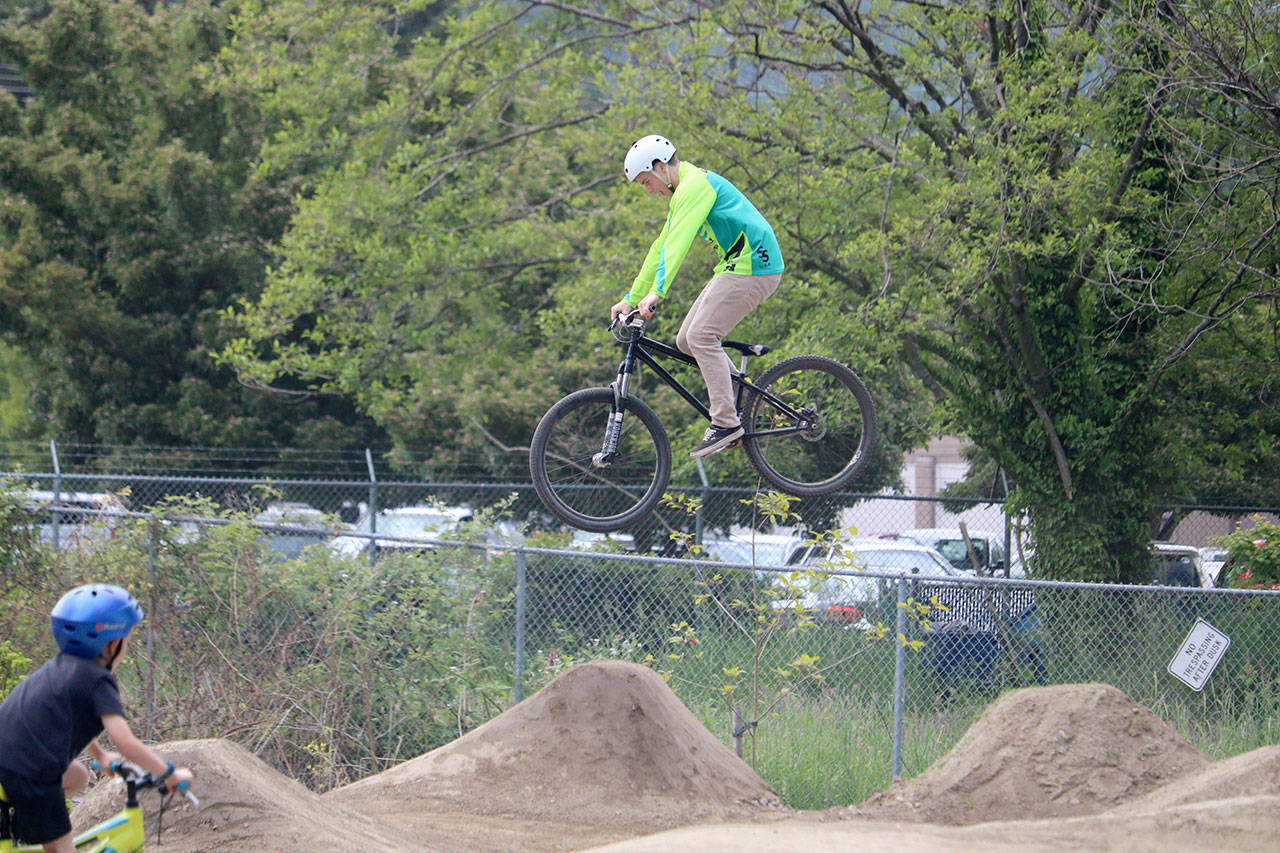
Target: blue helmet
<point>90,616</point>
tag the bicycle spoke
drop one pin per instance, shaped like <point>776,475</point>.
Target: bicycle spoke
<point>824,448</point>
<point>591,496</point>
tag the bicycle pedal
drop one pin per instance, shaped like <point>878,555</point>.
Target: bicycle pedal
<point>733,443</point>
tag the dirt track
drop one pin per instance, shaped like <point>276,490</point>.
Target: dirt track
<point>607,755</point>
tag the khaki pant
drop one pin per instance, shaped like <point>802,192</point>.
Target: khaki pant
<point>720,306</point>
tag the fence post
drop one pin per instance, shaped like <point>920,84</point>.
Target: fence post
<point>153,529</point>
<point>899,677</point>
<point>1008,527</point>
<point>55,517</point>
<point>373,506</point>
<point>521,575</point>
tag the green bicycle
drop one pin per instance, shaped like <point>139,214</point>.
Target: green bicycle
<point>122,833</point>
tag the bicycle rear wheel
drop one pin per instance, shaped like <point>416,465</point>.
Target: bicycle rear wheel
<point>591,497</point>
<point>826,447</point>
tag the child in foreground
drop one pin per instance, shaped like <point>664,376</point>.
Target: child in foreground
<point>62,708</point>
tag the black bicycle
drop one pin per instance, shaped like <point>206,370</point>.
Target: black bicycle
<point>601,460</point>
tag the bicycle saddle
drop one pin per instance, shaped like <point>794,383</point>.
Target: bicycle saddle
<point>746,349</point>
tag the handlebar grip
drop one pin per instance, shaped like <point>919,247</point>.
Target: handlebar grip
<point>123,765</point>
<point>628,318</point>
<point>184,788</point>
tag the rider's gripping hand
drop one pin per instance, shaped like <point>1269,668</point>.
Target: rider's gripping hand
<point>648,305</point>
<point>623,307</point>
<point>107,761</point>
<point>180,775</point>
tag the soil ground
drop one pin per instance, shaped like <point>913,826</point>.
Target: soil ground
<point>606,757</point>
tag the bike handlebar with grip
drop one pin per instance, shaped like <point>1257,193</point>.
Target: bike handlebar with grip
<point>128,770</point>
<point>184,788</point>
<point>631,318</point>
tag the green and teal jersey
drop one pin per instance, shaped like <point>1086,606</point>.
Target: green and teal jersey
<point>708,206</point>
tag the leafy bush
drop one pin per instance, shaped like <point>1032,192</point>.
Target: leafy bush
<point>327,666</point>
<point>1254,556</point>
<point>14,666</point>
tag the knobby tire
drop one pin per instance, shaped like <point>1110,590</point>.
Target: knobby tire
<point>600,500</point>
<point>826,458</point>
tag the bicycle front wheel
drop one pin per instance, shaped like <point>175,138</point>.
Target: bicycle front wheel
<point>599,497</point>
<point>814,428</point>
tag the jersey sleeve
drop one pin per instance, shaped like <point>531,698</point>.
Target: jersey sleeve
<point>105,697</point>
<point>693,200</point>
<point>643,285</point>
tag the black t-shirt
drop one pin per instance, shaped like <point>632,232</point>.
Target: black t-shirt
<point>50,717</point>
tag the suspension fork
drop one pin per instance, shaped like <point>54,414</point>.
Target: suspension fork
<point>613,429</point>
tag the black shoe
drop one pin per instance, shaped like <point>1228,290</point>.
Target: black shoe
<point>715,440</point>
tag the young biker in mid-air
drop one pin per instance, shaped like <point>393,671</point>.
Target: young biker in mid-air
<point>703,204</point>
<point>62,707</point>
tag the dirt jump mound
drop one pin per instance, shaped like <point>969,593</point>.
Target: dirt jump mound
<point>1041,752</point>
<point>1247,775</point>
<point>607,742</point>
<point>244,805</point>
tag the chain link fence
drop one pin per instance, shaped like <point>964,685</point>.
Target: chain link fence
<point>336,662</point>
<point>832,696</point>
<point>335,650</point>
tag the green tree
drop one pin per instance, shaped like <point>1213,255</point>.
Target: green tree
<point>451,270</point>
<point>455,207</point>
<point>993,212</point>
<point>1010,210</point>
<point>131,216</point>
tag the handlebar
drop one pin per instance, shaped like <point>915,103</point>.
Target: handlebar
<point>140,778</point>
<point>632,319</point>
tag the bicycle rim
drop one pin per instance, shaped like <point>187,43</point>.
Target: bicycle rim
<point>591,497</point>
<point>831,452</point>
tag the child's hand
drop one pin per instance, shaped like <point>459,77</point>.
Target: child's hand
<point>108,758</point>
<point>180,775</point>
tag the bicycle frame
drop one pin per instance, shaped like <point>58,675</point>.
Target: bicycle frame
<point>639,351</point>
<point>121,832</point>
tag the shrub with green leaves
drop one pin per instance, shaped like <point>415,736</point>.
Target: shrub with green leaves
<point>14,666</point>
<point>1254,556</point>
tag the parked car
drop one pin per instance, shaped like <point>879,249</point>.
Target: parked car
<point>847,595</point>
<point>1212,560</point>
<point>402,528</point>
<point>949,541</point>
<point>760,549</point>
<point>505,533</point>
<point>1177,565</point>
<point>75,519</point>
<point>299,525</point>
<point>968,634</point>
<point>874,554</point>
<point>583,540</point>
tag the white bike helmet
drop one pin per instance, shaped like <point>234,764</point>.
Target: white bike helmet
<point>642,154</point>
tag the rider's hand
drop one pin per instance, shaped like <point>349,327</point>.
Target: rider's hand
<point>107,760</point>
<point>180,775</point>
<point>622,307</point>
<point>648,305</point>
